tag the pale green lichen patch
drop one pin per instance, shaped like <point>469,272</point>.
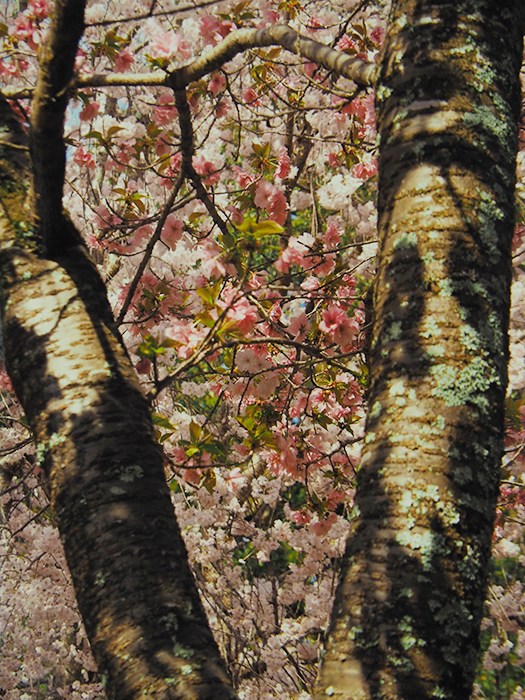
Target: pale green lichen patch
<point>483,119</point>
<point>354,632</point>
<point>406,241</point>
<point>183,652</point>
<point>468,385</point>
<point>435,428</point>
<point>117,491</point>
<point>419,501</point>
<point>394,332</point>
<point>449,512</point>
<point>376,409</point>
<point>403,664</point>
<point>170,621</point>
<point>446,288</point>
<point>488,214</point>
<point>430,328</point>
<point>131,472</point>
<point>497,337</point>
<point>397,388</point>
<point>43,448</point>
<point>369,437</point>
<point>383,93</point>
<point>456,620</point>
<point>462,474</point>
<point>428,543</point>
<point>408,638</point>
<point>471,567</point>
<point>408,641</point>
<point>405,502</point>
<point>416,540</point>
<point>469,338</point>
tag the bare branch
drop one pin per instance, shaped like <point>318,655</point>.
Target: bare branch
<point>147,15</point>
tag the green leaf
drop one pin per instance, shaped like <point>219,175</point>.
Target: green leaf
<point>206,295</point>
<point>196,215</point>
<point>140,205</point>
<point>113,130</point>
<point>267,227</point>
<point>95,135</point>
<point>162,421</point>
<point>246,422</point>
<point>195,431</point>
<point>206,319</point>
<point>216,449</point>
<point>149,348</point>
<point>228,240</point>
<point>210,481</point>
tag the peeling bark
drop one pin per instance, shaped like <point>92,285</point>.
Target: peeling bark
<point>409,603</point>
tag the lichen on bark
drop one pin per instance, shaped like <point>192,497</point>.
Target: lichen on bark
<point>408,607</point>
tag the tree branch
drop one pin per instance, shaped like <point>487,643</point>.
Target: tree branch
<point>91,422</point>
<point>360,72</point>
<point>51,97</point>
<point>149,248</point>
<point>188,151</point>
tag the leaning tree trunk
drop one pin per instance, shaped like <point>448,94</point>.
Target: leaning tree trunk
<point>92,425</point>
<point>409,604</point>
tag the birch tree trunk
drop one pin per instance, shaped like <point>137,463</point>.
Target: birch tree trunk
<point>407,612</point>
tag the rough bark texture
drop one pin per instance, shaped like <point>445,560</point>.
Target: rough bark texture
<point>409,603</point>
<point>92,426</point>
<point>91,423</point>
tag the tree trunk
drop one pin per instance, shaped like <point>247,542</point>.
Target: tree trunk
<point>104,469</point>
<point>91,423</point>
<point>407,612</point>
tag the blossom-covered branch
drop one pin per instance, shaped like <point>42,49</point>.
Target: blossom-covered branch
<point>359,71</point>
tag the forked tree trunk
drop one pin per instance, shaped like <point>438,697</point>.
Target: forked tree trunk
<point>409,604</point>
<point>92,425</point>
<point>137,596</point>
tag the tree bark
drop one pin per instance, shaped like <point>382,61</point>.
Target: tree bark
<point>90,421</point>
<point>409,603</point>
<point>104,469</point>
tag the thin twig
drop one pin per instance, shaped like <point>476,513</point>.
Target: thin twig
<point>149,248</point>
